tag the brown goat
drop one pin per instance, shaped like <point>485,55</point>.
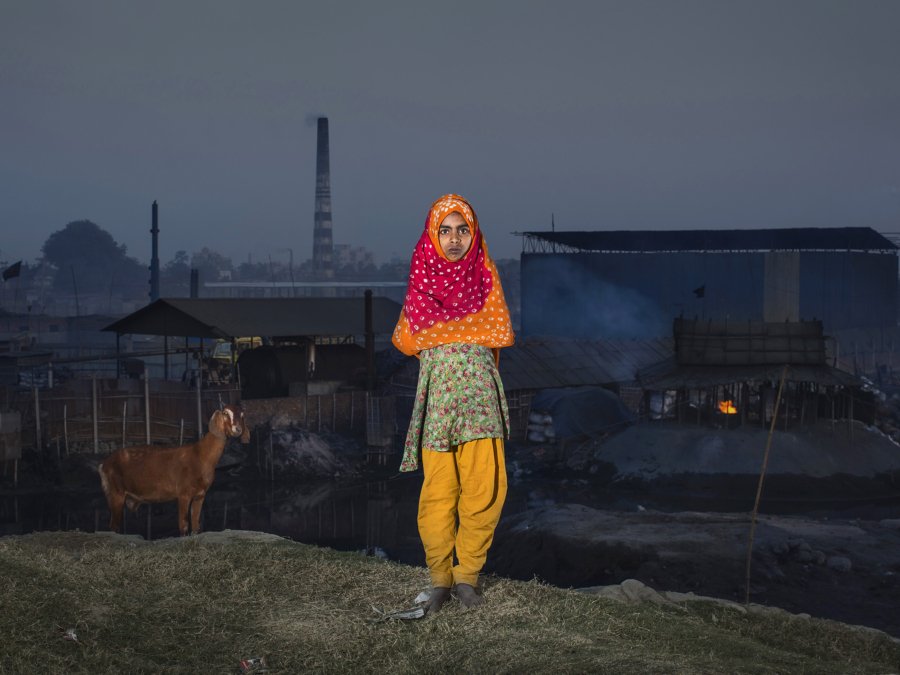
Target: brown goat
<point>143,474</point>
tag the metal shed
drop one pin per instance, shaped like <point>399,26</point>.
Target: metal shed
<point>306,318</point>
<point>622,284</point>
<point>274,317</point>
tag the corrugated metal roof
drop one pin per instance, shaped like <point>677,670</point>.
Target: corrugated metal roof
<point>536,363</point>
<point>270,317</point>
<point>787,239</point>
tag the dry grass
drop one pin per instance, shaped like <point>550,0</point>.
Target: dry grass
<point>198,605</point>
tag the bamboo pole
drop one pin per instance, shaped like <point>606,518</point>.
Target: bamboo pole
<point>272,457</point>
<point>762,475</point>
<point>37,419</point>
<point>850,416</point>
<point>199,405</point>
<point>147,405</point>
<point>95,413</point>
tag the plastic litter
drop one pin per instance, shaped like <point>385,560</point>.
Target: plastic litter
<point>409,614</point>
<point>254,664</point>
<point>69,634</point>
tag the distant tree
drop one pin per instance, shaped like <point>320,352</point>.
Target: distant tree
<point>393,271</point>
<point>250,271</point>
<point>87,257</point>
<point>175,276</point>
<point>213,266</point>
<point>178,269</point>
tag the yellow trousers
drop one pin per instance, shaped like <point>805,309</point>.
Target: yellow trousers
<point>459,508</point>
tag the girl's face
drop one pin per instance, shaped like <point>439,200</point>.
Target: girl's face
<point>455,236</point>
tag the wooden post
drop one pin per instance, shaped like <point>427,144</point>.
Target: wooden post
<point>698,407</point>
<point>815,410</point>
<point>786,409</point>
<point>831,396</point>
<point>95,413</point>
<point>370,341</point>
<point>802,403</point>
<point>146,405</point>
<point>181,433</point>
<point>271,458</point>
<point>850,416</point>
<point>37,419</point>
<point>124,419</point>
<point>66,427</point>
<point>745,400</point>
<point>199,408</point>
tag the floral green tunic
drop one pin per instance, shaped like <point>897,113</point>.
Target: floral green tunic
<point>459,398</point>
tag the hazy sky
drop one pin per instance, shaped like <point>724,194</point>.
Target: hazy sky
<point>611,115</point>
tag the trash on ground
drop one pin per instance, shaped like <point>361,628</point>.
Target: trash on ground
<point>254,664</point>
<point>399,615</point>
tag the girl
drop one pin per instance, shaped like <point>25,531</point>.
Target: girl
<point>455,320</point>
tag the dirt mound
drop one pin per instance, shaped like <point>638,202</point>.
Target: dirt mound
<point>649,451</point>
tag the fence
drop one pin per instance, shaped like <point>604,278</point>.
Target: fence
<point>341,412</point>
<point>96,414</point>
<point>101,415</point>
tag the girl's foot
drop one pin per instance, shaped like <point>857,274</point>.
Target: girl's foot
<point>439,595</point>
<point>467,596</point>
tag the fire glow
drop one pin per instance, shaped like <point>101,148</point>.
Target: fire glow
<point>727,408</point>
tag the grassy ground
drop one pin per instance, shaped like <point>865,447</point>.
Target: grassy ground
<point>200,604</point>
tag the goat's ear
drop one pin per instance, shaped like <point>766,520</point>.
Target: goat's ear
<point>216,421</point>
<point>245,435</point>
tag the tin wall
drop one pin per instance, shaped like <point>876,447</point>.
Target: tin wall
<point>637,295</point>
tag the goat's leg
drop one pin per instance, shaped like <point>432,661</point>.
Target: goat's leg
<point>116,503</point>
<point>196,506</point>
<point>184,503</point>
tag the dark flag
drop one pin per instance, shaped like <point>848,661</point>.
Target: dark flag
<point>13,270</point>
<point>700,292</point>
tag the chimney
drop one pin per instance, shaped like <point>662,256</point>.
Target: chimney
<point>323,252</point>
<point>154,258</point>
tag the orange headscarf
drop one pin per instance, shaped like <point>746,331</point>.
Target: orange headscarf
<point>448,301</point>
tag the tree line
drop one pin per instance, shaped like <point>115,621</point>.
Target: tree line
<point>83,258</point>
